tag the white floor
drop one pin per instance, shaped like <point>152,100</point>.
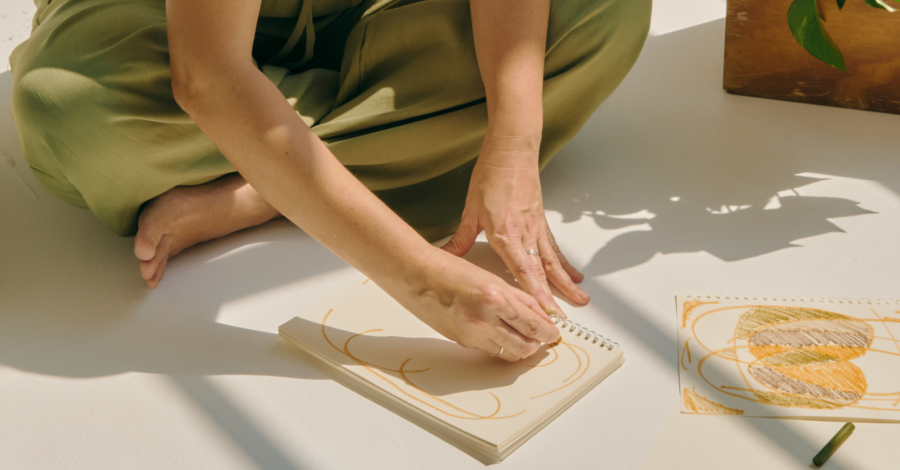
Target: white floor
<point>673,186</point>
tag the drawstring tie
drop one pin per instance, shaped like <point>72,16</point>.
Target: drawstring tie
<point>304,24</point>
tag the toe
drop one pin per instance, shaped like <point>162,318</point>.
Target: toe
<point>152,270</point>
<point>153,282</point>
<point>148,268</point>
<point>145,243</point>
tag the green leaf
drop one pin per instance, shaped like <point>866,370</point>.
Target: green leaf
<point>880,4</point>
<point>809,30</point>
<point>841,4</point>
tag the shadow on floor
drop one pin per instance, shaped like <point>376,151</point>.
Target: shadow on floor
<point>695,169</point>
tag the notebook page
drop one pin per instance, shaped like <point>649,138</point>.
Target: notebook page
<point>370,334</point>
<point>767,356</point>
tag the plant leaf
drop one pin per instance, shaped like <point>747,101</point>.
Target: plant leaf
<point>880,4</point>
<point>841,4</point>
<point>809,31</point>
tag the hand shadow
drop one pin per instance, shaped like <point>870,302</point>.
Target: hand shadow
<point>436,366</point>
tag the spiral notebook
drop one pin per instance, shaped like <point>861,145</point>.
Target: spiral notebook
<point>483,405</point>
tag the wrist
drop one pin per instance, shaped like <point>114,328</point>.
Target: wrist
<point>521,145</point>
<point>419,274</point>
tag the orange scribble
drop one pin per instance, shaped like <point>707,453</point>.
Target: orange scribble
<point>551,347</point>
<point>687,349</point>
<point>799,366</point>
<point>371,368</point>
<point>576,357</point>
<point>586,367</point>
<point>689,307</point>
<point>696,403</point>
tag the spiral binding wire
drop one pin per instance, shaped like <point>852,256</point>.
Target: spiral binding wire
<point>775,298</point>
<point>583,330</point>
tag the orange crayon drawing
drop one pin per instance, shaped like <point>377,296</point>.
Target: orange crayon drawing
<point>443,406</point>
<point>689,307</point>
<point>697,403</point>
<point>796,357</point>
<point>687,349</point>
<point>572,348</point>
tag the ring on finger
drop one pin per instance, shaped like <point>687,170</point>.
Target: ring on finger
<point>532,252</point>
<point>499,353</point>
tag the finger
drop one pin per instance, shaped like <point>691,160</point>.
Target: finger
<point>573,273</point>
<point>529,272</point>
<point>511,346</point>
<point>558,276</point>
<point>526,322</point>
<point>532,304</point>
<point>461,241</point>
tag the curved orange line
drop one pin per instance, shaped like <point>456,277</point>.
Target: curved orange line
<point>586,367</point>
<point>366,365</point>
<point>410,382</point>
<point>555,357</point>
<point>576,356</point>
<point>360,361</point>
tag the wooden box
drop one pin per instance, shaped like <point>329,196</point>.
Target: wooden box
<point>763,59</point>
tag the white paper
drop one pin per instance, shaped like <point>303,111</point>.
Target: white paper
<point>762,356</point>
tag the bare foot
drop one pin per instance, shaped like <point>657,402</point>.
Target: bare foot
<point>187,215</point>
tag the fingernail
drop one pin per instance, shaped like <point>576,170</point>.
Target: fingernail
<point>581,293</point>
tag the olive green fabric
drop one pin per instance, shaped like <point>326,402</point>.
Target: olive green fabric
<point>392,87</point>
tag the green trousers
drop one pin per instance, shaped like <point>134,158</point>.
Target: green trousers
<point>391,86</point>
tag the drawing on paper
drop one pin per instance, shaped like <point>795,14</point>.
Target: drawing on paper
<point>793,360</point>
<point>689,307</point>
<point>425,398</point>
<point>699,404</point>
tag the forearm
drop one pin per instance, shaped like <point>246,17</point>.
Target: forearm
<point>277,153</point>
<point>510,42</point>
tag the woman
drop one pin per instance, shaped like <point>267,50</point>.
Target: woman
<point>359,120</point>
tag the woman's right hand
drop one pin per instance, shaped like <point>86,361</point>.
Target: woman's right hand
<point>473,307</point>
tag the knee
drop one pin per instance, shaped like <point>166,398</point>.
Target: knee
<point>588,28</point>
<point>47,100</point>
<point>594,44</point>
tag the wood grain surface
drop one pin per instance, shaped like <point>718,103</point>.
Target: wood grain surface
<point>763,59</point>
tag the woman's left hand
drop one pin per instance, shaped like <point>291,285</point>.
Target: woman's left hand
<point>504,200</point>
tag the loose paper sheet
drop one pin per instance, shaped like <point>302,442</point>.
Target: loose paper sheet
<point>762,356</point>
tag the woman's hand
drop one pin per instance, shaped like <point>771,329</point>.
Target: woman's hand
<point>471,306</point>
<point>504,200</point>
<point>504,196</point>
